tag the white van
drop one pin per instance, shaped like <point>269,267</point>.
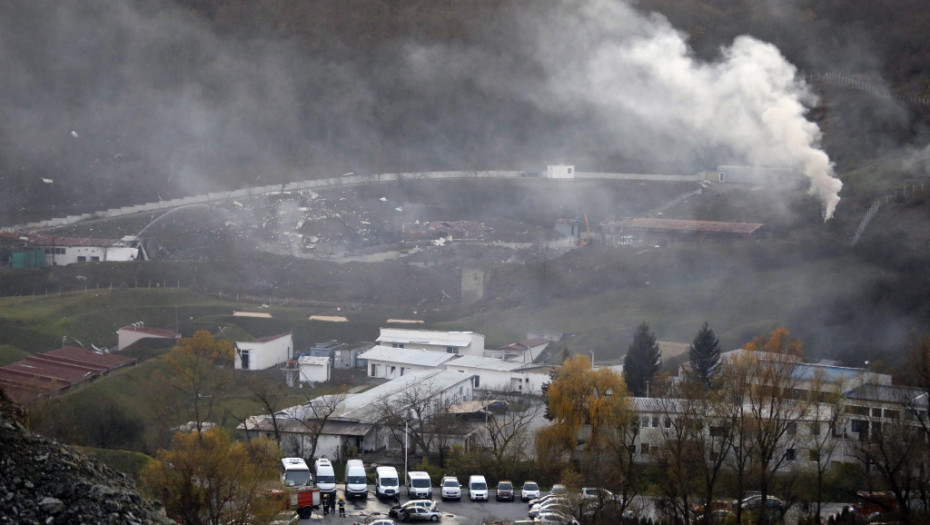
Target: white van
<point>477,488</point>
<point>419,486</point>
<point>295,472</point>
<point>387,483</point>
<point>356,480</point>
<point>325,476</point>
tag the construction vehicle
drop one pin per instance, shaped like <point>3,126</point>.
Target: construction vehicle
<point>587,237</point>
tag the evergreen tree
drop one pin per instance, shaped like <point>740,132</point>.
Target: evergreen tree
<point>642,362</point>
<point>704,354</point>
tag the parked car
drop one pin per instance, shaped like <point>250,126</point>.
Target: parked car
<point>382,522</point>
<point>424,503</point>
<point>548,497</point>
<point>504,491</point>
<point>558,490</point>
<point>755,502</point>
<point>559,518</point>
<point>477,488</point>
<point>418,514</point>
<point>451,489</point>
<point>551,506</point>
<point>530,490</point>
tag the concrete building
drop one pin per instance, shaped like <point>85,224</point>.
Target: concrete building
<point>385,362</point>
<point>353,428</point>
<point>499,375</point>
<point>457,343</point>
<point>60,251</point>
<point>314,369</point>
<point>526,351</point>
<point>129,334</point>
<point>265,352</point>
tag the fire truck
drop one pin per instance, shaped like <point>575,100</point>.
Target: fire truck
<point>301,494</point>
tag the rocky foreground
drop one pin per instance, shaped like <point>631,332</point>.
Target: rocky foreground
<point>45,482</point>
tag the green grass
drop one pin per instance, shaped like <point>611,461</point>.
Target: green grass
<point>125,461</point>
<point>11,354</point>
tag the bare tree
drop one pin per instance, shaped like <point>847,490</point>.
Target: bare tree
<point>414,411</point>
<point>311,418</point>
<point>510,433</point>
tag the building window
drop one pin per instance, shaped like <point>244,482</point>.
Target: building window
<point>655,421</point>
<point>477,381</point>
<point>95,258</point>
<point>791,454</point>
<point>859,411</point>
<point>891,414</point>
<point>393,370</point>
<point>792,429</point>
<point>813,455</point>
<point>645,448</point>
<point>815,429</point>
<point>452,350</point>
<point>717,431</point>
<point>401,370</point>
<point>81,258</point>
<point>398,345</point>
<point>668,422</point>
<point>373,370</point>
<point>876,412</point>
<point>646,422</point>
<point>858,425</point>
<point>244,356</point>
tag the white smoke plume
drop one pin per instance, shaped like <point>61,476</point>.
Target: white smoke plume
<point>636,73</point>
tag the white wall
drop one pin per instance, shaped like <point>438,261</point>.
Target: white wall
<point>73,254</point>
<point>314,373</point>
<point>264,355</point>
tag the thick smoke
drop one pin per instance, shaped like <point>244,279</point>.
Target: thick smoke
<point>639,76</point>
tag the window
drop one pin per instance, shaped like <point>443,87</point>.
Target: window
<point>876,412</point>
<point>95,258</point>
<point>401,370</point>
<point>81,258</point>
<point>815,429</point>
<point>792,429</point>
<point>398,345</point>
<point>813,455</point>
<point>374,370</point>
<point>791,454</point>
<point>858,425</point>
<point>244,356</point>
<point>655,421</point>
<point>645,422</point>
<point>393,370</point>
<point>477,381</point>
<point>452,350</point>
<point>859,411</point>
<point>891,414</point>
<point>644,448</point>
<point>668,422</point>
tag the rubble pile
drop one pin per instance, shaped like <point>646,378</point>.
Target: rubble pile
<point>44,482</point>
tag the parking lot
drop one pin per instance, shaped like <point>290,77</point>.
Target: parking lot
<point>464,511</point>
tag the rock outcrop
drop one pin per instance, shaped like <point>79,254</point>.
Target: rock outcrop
<point>45,482</point>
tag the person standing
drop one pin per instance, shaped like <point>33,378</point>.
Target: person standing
<point>342,508</point>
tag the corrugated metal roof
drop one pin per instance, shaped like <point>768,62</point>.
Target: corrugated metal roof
<point>425,337</point>
<point>407,356</point>
<point>489,363</point>
<point>82,355</point>
<point>889,394</point>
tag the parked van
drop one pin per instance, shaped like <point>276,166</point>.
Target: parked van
<point>325,476</point>
<point>356,480</point>
<point>295,472</point>
<point>419,486</point>
<point>477,488</point>
<point>387,483</point>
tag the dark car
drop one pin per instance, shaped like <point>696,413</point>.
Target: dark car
<point>755,502</point>
<point>505,491</point>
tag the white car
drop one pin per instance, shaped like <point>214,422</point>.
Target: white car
<point>530,490</point>
<point>450,488</point>
<point>555,518</point>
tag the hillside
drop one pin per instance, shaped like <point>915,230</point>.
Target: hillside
<point>46,482</point>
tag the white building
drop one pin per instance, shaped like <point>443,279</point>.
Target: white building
<point>560,171</point>
<point>353,427</point>
<point>526,351</point>
<point>385,362</point>
<point>264,353</point>
<point>60,251</point>
<point>129,334</point>
<point>314,369</point>
<point>458,343</point>
<point>499,375</point>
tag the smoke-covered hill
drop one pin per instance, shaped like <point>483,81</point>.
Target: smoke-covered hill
<point>106,105</point>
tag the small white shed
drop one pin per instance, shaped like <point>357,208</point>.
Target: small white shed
<point>314,369</point>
